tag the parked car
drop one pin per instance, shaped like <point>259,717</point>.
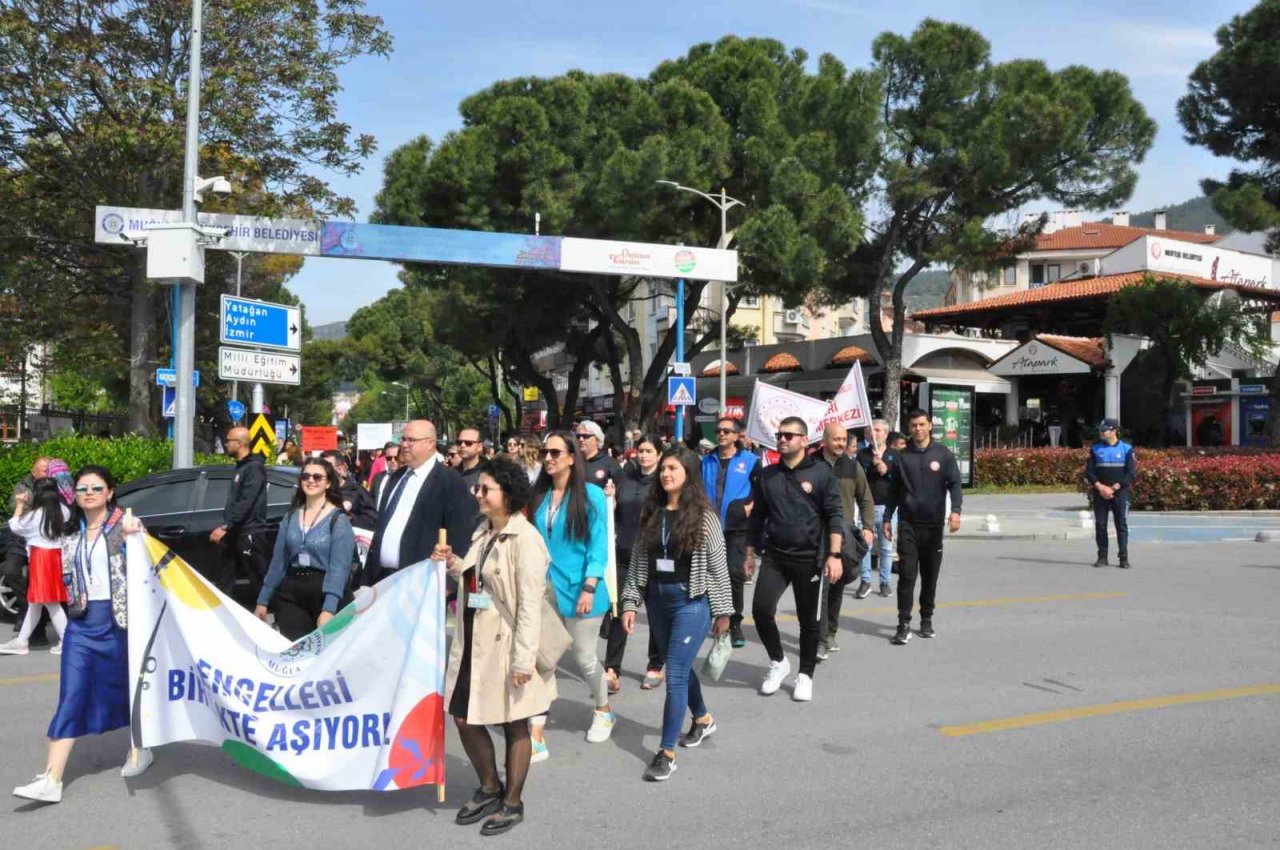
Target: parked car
<point>181,507</point>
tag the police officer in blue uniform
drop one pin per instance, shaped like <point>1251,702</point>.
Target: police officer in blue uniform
<point>1110,472</point>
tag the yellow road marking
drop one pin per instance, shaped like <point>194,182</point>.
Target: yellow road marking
<point>995,602</point>
<point>1122,707</point>
<point>30,680</point>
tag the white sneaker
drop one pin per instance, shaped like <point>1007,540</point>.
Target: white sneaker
<point>42,789</point>
<point>802,690</point>
<point>56,649</point>
<point>14,647</point>
<point>145,758</point>
<point>601,726</point>
<point>778,671</point>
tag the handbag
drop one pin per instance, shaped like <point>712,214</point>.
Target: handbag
<point>717,658</point>
<point>553,638</point>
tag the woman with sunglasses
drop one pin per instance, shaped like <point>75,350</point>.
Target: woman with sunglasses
<point>630,493</point>
<point>573,521</point>
<point>493,675</point>
<point>310,569</point>
<point>678,570</point>
<point>93,692</point>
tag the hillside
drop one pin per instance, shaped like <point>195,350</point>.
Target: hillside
<point>332,330</point>
<point>928,289</point>
<point>1190,215</point>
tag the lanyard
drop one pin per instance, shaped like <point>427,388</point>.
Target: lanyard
<point>553,509</point>
<point>87,561</point>
<point>665,535</point>
<point>477,579</point>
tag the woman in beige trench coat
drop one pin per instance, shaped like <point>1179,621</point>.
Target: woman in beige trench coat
<point>493,678</point>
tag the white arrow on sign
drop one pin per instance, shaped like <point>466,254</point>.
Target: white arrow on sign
<point>264,367</point>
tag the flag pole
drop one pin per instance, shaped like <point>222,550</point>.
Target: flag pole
<point>443,540</point>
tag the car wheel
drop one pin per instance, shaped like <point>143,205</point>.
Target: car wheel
<point>8,600</point>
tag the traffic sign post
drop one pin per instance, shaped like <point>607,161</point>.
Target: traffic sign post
<point>680,392</point>
<point>263,367</point>
<point>169,378</point>
<point>169,400</point>
<point>260,324</point>
<point>262,437</point>
<point>235,409</point>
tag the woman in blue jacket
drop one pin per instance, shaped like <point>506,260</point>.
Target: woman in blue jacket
<point>572,519</point>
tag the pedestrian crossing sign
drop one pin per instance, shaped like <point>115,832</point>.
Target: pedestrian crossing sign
<point>680,392</point>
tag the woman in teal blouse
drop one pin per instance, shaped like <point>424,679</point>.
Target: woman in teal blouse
<point>573,520</point>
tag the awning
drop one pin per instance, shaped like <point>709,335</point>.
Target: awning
<point>981,380</point>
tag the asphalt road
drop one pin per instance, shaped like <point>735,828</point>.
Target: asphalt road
<point>1136,709</point>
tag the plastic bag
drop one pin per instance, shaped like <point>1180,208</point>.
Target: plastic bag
<point>717,658</point>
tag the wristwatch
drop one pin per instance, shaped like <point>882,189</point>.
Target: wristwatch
<point>589,588</point>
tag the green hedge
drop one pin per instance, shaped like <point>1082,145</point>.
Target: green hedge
<point>127,457</point>
<point>1168,479</point>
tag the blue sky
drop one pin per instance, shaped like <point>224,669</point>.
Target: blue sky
<point>446,51</point>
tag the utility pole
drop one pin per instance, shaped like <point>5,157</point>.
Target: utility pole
<point>239,255</point>
<point>185,344</point>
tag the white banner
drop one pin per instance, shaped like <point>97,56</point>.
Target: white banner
<point>603,256</point>
<point>850,407</point>
<point>770,405</point>
<point>372,435</point>
<point>115,225</point>
<point>355,705</point>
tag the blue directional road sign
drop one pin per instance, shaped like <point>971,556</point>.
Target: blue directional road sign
<point>170,401</point>
<point>235,409</point>
<point>259,324</point>
<point>169,378</point>
<point>680,391</point>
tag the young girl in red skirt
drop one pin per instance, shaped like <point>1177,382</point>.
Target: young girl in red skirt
<point>39,519</point>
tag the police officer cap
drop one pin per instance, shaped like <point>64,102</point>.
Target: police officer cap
<point>1108,425</point>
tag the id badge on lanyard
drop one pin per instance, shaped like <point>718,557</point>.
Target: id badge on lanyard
<point>665,564</point>
<point>477,598</point>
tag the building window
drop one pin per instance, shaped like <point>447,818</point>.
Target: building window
<point>750,302</point>
<point>1053,273</point>
<point>1010,276</point>
<point>1037,275</point>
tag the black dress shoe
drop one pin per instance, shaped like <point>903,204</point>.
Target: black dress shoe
<point>482,804</point>
<point>506,818</point>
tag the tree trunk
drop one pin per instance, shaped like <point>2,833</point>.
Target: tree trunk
<point>1273,415</point>
<point>142,347</point>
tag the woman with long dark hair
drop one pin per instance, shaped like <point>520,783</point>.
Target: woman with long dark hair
<point>93,693</point>
<point>493,677</point>
<point>630,494</point>
<point>574,522</point>
<point>307,581</point>
<point>678,570</point>
<point>38,518</point>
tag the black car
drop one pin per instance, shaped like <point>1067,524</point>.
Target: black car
<point>181,507</point>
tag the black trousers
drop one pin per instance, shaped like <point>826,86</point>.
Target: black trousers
<point>806,586</point>
<point>616,642</point>
<point>735,550</point>
<point>298,602</point>
<point>245,555</point>
<point>830,622</point>
<point>919,553</point>
<point>1118,507</point>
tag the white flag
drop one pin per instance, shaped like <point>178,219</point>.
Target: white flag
<point>850,407</point>
<point>770,405</point>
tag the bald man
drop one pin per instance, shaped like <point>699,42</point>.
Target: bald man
<point>242,536</point>
<point>420,498</point>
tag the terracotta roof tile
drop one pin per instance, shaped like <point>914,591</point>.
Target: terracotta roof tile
<point>1098,234</point>
<point>1085,349</point>
<point>781,362</point>
<point>849,354</point>
<point>1079,290</point>
<point>713,370</point>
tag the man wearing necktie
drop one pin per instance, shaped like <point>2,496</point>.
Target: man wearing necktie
<point>421,498</point>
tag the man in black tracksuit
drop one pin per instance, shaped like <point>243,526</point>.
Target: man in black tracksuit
<point>926,473</point>
<point>242,535</point>
<point>797,518</point>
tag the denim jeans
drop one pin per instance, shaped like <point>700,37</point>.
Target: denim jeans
<point>885,548</point>
<point>680,625</point>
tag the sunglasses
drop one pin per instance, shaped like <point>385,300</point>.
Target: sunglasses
<point>313,476</point>
<point>554,454</point>
<point>467,442</point>
<point>726,430</point>
<point>585,436</point>
<point>482,490</point>
<point>781,436</point>
<point>96,488</point>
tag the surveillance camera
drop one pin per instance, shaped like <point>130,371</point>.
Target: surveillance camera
<point>221,186</point>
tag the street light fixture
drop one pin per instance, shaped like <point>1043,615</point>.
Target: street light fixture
<point>724,203</point>
<point>406,389</point>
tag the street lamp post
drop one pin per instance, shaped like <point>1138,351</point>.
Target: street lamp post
<point>405,387</point>
<point>724,203</point>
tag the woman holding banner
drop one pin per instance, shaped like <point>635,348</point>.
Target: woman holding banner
<point>310,569</point>
<point>572,518</point>
<point>93,695</point>
<point>678,570</point>
<point>493,672</point>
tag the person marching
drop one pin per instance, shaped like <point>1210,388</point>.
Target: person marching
<point>797,518</point>
<point>631,492</point>
<point>572,519</point>
<point>1110,471</point>
<point>93,693</point>
<point>492,674</point>
<point>858,511</point>
<point>599,468</point>
<point>927,473</point>
<point>39,518</point>
<point>727,475</point>
<point>878,461</point>
<point>678,570</point>
<point>242,536</point>
<point>311,566</point>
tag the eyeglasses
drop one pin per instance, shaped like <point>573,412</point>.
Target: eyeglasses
<point>467,442</point>
<point>412,440</point>
<point>482,490</point>
<point>313,476</point>
<point>96,488</point>
<point>726,430</point>
<point>585,436</point>
<point>782,436</point>
<point>554,454</point>
<point>452,454</point>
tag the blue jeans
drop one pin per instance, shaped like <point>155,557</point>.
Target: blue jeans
<point>884,546</point>
<point>679,624</point>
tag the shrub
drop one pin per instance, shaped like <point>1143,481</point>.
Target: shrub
<point>127,457</point>
<point>1168,479</point>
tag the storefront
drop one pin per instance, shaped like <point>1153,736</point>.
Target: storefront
<point>1057,385</point>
